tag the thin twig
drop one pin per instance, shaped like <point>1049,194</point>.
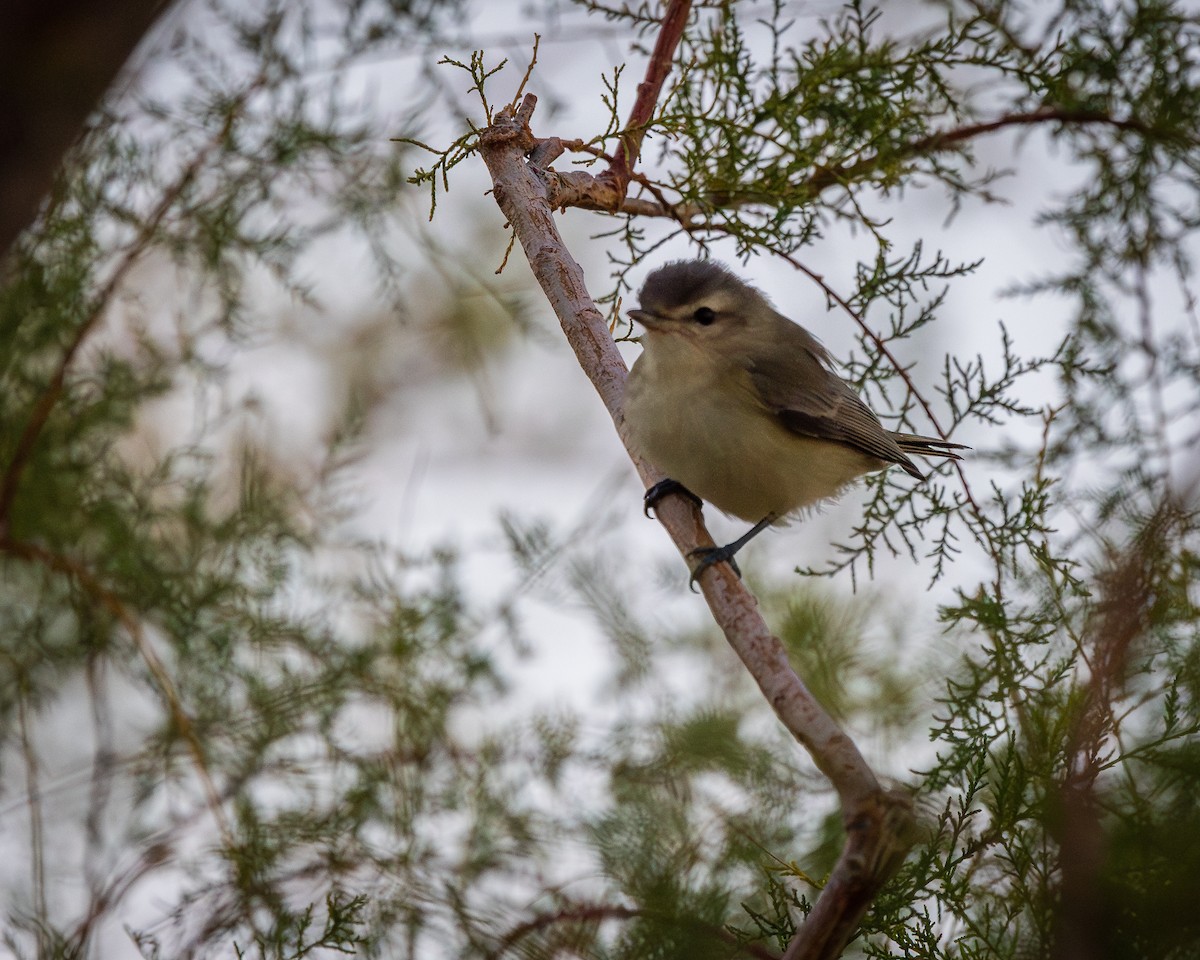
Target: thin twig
<point>881,345</point>
<point>537,39</point>
<point>901,371</point>
<point>599,195</point>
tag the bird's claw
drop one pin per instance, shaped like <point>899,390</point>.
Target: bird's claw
<point>664,488</point>
<point>707,557</point>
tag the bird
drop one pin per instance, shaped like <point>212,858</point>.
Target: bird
<point>742,408</point>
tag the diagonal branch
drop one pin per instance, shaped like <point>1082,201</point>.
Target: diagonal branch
<point>876,821</point>
<point>629,148</point>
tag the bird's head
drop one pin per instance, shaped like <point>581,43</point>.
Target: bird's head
<point>695,298</point>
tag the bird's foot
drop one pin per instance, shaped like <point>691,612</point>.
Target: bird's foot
<point>710,555</point>
<point>664,488</point>
<point>707,556</point>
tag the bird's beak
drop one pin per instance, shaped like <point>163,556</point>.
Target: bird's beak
<point>651,321</point>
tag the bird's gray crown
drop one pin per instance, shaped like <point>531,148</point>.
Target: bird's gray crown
<point>685,282</point>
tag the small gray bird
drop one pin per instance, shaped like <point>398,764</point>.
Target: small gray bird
<point>740,406</point>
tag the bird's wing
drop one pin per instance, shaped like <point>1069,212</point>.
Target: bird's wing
<point>809,399</point>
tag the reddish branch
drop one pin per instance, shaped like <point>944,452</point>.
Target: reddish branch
<point>579,189</point>
<point>607,190</point>
<point>943,140</point>
<point>629,148</point>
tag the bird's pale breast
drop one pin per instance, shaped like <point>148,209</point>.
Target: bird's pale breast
<point>705,427</point>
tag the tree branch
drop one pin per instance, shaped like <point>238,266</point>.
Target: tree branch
<point>629,148</point>
<point>580,189</point>
<point>943,140</point>
<point>56,61</point>
<point>875,820</point>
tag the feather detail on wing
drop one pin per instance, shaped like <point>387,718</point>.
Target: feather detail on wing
<point>928,446</point>
<point>812,401</point>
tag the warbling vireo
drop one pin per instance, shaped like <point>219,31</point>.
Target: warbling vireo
<point>740,406</point>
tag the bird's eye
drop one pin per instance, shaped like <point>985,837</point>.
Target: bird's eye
<point>704,316</point>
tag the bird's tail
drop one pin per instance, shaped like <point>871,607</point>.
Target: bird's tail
<point>926,447</point>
